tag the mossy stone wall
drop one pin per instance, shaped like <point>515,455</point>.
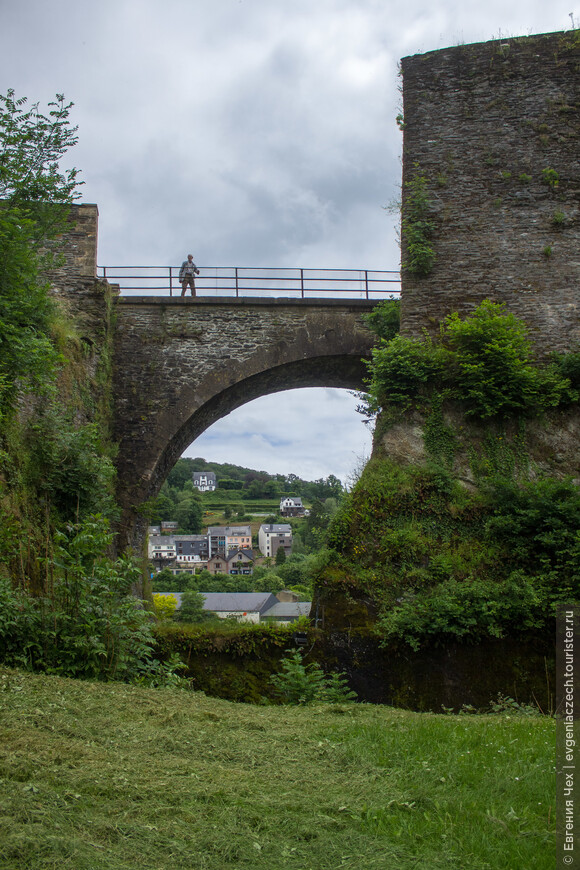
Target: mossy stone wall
<point>494,129</point>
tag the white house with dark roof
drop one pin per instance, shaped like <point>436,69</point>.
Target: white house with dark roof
<point>274,535</point>
<point>205,481</point>
<point>245,606</point>
<point>252,607</point>
<point>161,547</point>
<point>291,507</point>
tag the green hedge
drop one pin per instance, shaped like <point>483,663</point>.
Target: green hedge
<point>231,663</point>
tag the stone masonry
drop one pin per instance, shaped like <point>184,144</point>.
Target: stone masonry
<point>78,245</point>
<point>495,129</point>
<point>182,364</point>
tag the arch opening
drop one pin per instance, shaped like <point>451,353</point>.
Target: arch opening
<point>308,432</point>
<point>339,371</point>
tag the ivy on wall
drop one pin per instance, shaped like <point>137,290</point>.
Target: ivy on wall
<point>417,225</point>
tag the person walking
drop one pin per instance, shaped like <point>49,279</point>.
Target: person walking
<point>186,273</point>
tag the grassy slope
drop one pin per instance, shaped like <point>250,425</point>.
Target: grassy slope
<point>112,776</point>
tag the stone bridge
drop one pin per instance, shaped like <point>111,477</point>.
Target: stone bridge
<point>491,131</point>
<point>182,364</point>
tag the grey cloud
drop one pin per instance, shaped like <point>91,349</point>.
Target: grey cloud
<point>253,132</point>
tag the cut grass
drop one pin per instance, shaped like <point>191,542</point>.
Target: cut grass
<point>96,776</point>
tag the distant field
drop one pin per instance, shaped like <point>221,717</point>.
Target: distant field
<point>219,501</point>
<point>114,777</point>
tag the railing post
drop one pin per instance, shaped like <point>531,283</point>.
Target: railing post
<point>170,281</point>
<point>367,283</point>
<point>302,283</point>
<point>237,294</point>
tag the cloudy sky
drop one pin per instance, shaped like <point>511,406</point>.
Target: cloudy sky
<point>249,133</point>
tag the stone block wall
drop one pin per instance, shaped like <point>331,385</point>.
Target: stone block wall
<point>78,245</point>
<point>494,128</point>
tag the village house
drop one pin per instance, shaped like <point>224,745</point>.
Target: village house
<point>161,548</point>
<point>223,550</point>
<point>291,507</point>
<point>191,548</point>
<point>217,564</point>
<point>222,539</point>
<point>245,606</point>
<point>256,607</point>
<point>169,527</point>
<point>205,481</point>
<point>274,535</point>
<point>285,612</point>
<point>240,561</point>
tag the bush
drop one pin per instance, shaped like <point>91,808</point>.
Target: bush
<point>166,581</point>
<point>491,366</point>
<point>470,609</point>
<point>537,526</point>
<point>400,370</point>
<point>67,465</point>
<point>568,365</point>
<point>306,684</point>
<point>91,626</point>
<point>385,319</point>
<point>484,361</point>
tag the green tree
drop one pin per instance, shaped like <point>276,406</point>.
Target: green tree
<point>35,194</point>
<point>191,609</point>
<point>161,508</point>
<point>181,473</point>
<point>268,582</point>
<point>166,581</point>
<point>272,489</point>
<point>226,483</point>
<point>164,607</point>
<point>33,146</point>
<point>189,515</point>
<point>280,556</point>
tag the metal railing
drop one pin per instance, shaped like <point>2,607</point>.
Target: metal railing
<point>238,281</point>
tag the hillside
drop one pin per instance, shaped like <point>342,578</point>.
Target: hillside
<point>116,777</point>
<point>250,483</point>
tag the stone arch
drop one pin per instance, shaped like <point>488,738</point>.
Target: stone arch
<point>341,371</point>
<point>171,384</point>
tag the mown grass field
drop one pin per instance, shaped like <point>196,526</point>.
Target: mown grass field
<point>96,776</point>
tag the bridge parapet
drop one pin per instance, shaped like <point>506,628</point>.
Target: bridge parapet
<point>257,282</point>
